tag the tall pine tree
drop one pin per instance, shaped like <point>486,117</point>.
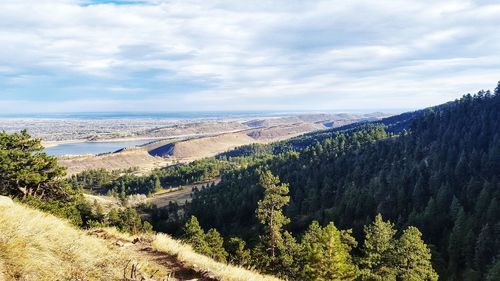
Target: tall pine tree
<point>379,255</point>
<point>327,254</point>
<point>414,257</point>
<point>195,236</point>
<point>270,211</point>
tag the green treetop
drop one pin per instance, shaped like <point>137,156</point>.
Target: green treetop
<point>215,244</point>
<point>414,257</point>
<point>195,236</point>
<point>379,260</point>
<point>327,255</point>
<point>270,213</point>
<point>238,254</point>
<point>27,171</point>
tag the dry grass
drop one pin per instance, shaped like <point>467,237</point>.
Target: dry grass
<point>207,146</point>
<point>186,255</point>
<point>130,158</point>
<point>198,148</point>
<point>41,247</point>
<point>183,150</point>
<point>37,246</point>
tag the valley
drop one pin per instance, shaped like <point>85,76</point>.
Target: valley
<point>423,177</point>
<point>151,143</point>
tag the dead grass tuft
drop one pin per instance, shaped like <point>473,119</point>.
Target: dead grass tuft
<point>41,247</point>
<point>37,246</point>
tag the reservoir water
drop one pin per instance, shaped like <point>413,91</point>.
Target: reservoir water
<point>80,148</point>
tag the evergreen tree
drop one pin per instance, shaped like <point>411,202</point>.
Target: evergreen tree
<point>379,253</point>
<point>113,218</point>
<point>485,249</point>
<point>456,242</point>
<point>195,236</point>
<point>215,244</point>
<point>289,265</point>
<point>131,220</point>
<point>327,256</point>
<point>270,213</point>
<point>238,254</point>
<point>157,184</point>
<point>414,257</point>
<point>99,213</point>
<point>455,208</point>
<point>493,213</point>
<point>26,170</point>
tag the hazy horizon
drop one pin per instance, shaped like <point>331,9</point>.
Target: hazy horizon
<point>193,114</point>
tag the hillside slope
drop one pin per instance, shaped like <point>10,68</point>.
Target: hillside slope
<point>37,246</point>
<point>125,159</point>
<point>393,124</point>
<point>197,148</point>
<point>442,176</point>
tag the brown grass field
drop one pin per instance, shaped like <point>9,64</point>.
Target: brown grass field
<point>35,246</point>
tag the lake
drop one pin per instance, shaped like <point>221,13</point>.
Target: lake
<point>80,148</point>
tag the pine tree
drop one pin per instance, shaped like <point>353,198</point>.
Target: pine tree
<point>238,254</point>
<point>195,236</point>
<point>379,256</point>
<point>289,257</point>
<point>269,211</point>
<point>129,221</point>
<point>25,170</point>
<point>157,184</point>
<point>327,256</point>
<point>215,244</point>
<point>455,208</point>
<point>99,213</point>
<point>482,203</point>
<point>312,234</point>
<point>493,213</point>
<point>485,249</point>
<point>113,218</point>
<point>456,242</point>
<point>414,257</point>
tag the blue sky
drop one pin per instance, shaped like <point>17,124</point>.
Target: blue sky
<point>198,55</point>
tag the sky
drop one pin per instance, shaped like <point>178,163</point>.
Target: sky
<point>217,55</point>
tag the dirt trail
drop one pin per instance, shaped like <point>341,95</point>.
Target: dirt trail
<point>141,247</point>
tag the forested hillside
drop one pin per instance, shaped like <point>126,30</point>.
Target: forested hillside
<point>372,201</point>
<point>394,125</point>
<point>441,175</point>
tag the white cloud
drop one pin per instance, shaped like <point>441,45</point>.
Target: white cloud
<point>244,54</point>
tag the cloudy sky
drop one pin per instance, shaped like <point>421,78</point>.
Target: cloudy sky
<point>189,55</point>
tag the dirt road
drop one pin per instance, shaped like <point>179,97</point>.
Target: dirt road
<point>179,195</point>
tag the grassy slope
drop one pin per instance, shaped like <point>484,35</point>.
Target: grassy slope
<point>38,246</point>
<point>185,254</point>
